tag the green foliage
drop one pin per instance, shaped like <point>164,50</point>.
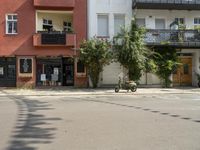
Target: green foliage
<point>95,54</point>
<point>130,50</point>
<point>166,63</point>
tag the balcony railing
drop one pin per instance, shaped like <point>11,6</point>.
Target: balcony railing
<point>167,4</point>
<point>65,4</point>
<point>176,38</point>
<point>54,39</point>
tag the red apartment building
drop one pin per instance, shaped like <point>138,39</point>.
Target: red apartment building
<point>39,42</point>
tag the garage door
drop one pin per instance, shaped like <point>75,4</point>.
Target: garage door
<point>7,72</point>
<point>111,73</point>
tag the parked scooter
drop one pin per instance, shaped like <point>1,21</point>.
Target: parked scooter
<point>128,85</point>
<point>198,78</point>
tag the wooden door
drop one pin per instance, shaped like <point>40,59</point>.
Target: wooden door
<point>183,74</point>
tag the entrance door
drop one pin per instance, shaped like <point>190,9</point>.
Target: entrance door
<point>7,72</point>
<point>68,75</point>
<point>183,74</point>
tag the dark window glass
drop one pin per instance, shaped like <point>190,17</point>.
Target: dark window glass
<point>2,71</point>
<point>25,65</point>
<point>80,67</point>
<point>186,69</point>
<point>11,71</point>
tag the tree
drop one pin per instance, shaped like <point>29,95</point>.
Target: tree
<point>95,54</point>
<point>166,63</point>
<point>130,50</point>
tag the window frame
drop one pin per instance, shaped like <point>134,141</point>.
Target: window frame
<point>80,74</point>
<point>196,24</point>
<point>117,16</point>
<point>13,20</point>
<point>108,25</point>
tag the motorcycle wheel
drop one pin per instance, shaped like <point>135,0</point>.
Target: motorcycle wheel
<point>134,89</point>
<point>116,89</point>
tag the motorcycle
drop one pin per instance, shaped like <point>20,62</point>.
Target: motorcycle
<point>128,85</point>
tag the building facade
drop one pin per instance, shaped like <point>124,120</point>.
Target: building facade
<point>175,24</point>
<point>105,18</point>
<point>39,41</point>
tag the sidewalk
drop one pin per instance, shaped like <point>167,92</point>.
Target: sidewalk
<point>100,91</point>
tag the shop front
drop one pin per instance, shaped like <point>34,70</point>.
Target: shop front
<point>55,71</point>
<point>7,71</point>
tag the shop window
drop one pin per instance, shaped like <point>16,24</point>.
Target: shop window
<point>80,68</point>
<point>11,24</point>
<point>25,67</point>
<point>1,71</point>
<point>11,71</point>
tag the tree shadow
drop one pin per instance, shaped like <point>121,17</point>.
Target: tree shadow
<point>32,127</point>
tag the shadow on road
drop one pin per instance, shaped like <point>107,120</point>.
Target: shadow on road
<point>142,108</point>
<point>32,128</point>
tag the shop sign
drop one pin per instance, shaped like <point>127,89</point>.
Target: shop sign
<point>25,65</point>
<point>56,71</point>
<point>43,77</point>
<point>1,71</point>
<point>54,77</point>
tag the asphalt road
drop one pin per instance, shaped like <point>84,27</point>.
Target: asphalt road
<point>100,122</point>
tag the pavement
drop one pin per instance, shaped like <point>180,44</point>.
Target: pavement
<point>77,121</point>
<point>64,91</point>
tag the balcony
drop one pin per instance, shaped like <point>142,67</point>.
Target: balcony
<point>167,4</point>
<point>55,4</point>
<point>54,39</point>
<point>175,38</point>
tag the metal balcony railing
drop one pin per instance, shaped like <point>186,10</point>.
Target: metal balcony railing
<point>177,38</point>
<point>167,4</point>
<point>43,38</point>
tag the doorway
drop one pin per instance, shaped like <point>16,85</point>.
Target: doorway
<point>8,72</point>
<point>68,72</point>
<point>182,76</point>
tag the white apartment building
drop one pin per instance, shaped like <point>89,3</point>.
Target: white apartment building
<point>160,17</point>
<point>105,17</point>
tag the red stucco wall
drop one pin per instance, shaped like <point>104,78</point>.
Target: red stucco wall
<point>22,43</point>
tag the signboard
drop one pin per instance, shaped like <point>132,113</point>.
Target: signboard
<point>56,71</point>
<point>54,77</point>
<point>43,77</point>
<point>25,65</point>
<point>1,71</point>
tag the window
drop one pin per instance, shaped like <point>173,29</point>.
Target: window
<point>1,71</point>
<point>11,24</point>
<point>102,24</point>
<point>119,21</point>
<point>140,22</point>
<point>160,23</point>
<point>180,20</point>
<point>67,26</point>
<point>80,67</point>
<point>196,23</point>
<point>47,25</point>
<point>186,69</point>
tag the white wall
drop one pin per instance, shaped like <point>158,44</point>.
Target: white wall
<point>110,8</point>
<point>57,19</point>
<point>168,15</point>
